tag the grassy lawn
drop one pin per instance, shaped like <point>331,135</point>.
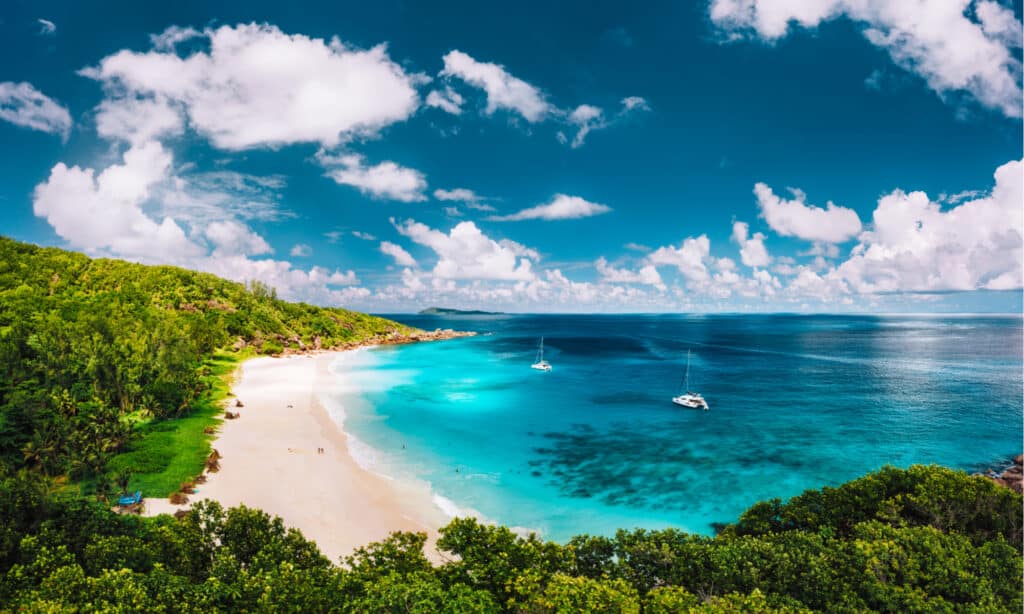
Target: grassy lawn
<point>166,453</point>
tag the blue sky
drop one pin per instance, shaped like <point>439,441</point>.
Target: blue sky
<point>726,156</point>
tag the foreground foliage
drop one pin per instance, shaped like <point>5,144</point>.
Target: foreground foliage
<point>92,350</point>
<point>926,539</point>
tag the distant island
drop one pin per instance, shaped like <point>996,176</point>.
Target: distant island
<point>444,311</point>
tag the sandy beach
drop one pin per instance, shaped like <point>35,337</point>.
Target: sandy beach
<point>270,461</point>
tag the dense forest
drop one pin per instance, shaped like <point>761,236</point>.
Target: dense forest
<point>926,539</point>
<point>96,353</point>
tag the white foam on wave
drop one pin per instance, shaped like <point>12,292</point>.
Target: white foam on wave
<point>365,456</point>
<point>351,373</point>
<point>450,508</point>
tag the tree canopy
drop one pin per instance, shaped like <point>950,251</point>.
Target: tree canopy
<point>876,553</point>
<point>90,347</point>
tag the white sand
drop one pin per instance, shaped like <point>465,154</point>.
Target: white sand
<point>270,462</point>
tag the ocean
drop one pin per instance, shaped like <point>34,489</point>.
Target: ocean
<point>796,402</point>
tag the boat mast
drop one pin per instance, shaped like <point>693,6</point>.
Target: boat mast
<point>540,351</point>
<point>687,371</point>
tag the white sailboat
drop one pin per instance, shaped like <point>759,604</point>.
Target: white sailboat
<point>540,364</point>
<point>693,400</point>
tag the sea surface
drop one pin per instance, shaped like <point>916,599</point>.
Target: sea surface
<point>797,402</point>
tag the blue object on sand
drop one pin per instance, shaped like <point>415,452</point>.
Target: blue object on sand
<point>130,499</point>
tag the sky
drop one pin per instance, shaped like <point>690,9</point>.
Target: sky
<point>713,156</point>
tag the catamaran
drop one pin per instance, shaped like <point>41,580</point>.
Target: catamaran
<point>540,364</point>
<point>693,400</point>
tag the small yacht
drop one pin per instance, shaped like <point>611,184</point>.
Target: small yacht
<point>693,400</point>
<point>540,364</point>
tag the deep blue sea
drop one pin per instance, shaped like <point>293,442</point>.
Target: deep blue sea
<point>797,402</point>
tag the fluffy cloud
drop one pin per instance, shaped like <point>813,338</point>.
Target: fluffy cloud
<point>467,253</point>
<point>386,180</point>
<point>752,250</point>
<point>316,284</point>
<point>795,218</point>
<point>24,105</point>
<point>365,236</point>
<point>104,212</point>
<point>809,284</point>
<point>586,118</point>
<point>469,198</point>
<point>915,246</point>
<point>169,38</point>
<point>231,238</point>
<point>402,257</point>
<point>561,207</point>
<point>635,103</point>
<point>448,100</point>
<point>689,258</point>
<point>998,23</point>
<point>503,90</point>
<point>137,120</point>
<point>257,86</point>
<point>647,274</point>
<point>301,250</point>
<point>940,40</point>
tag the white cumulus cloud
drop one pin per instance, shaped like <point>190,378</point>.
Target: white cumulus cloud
<point>233,238</point>
<point>385,180</point>
<point>689,258</point>
<point>467,197</point>
<point>105,214</point>
<point>301,250</point>
<point>795,218</point>
<point>24,105</point>
<point>647,274</point>
<point>105,211</point>
<point>561,207</point>
<point>586,118</point>
<point>467,253</point>
<point>257,86</point>
<point>170,37</point>
<point>951,46</point>
<point>914,245</point>
<point>402,257</point>
<point>504,91</point>
<point>448,100</point>
<point>137,120</point>
<point>635,103</point>
<point>753,253</point>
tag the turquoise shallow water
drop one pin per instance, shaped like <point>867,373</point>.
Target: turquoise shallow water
<point>797,402</point>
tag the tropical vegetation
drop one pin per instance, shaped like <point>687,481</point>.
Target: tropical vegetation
<point>109,367</point>
<point>925,539</point>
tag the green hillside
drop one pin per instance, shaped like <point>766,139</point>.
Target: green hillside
<point>103,358</point>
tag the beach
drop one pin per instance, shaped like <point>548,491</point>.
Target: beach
<point>270,461</point>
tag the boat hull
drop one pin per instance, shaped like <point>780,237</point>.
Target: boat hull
<point>690,402</point>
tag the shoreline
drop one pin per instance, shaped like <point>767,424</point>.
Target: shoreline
<point>270,461</point>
